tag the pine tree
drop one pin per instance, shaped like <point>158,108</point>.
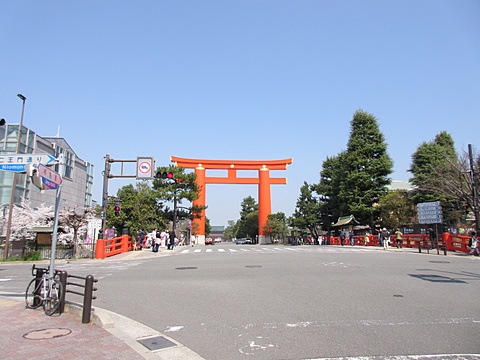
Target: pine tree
<point>368,167</point>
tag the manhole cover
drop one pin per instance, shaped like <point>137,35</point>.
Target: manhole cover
<point>186,268</point>
<point>253,266</point>
<point>45,334</point>
<point>156,343</point>
<point>440,262</point>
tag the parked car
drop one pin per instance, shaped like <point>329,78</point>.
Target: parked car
<point>241,241</point>
<point>209,241</point>
<point>218,240</point>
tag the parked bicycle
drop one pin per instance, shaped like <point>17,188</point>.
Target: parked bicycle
<point>44,291</point>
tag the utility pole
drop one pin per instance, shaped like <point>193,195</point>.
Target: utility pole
<point>473,175</point>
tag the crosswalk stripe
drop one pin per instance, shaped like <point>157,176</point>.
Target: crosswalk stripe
<point>267,249</point>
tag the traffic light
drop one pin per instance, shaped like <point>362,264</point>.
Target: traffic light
<point>465,210</point>
<point>164,175</point>
<point>117,210</point>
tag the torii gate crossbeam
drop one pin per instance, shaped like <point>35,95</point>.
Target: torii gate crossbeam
<point>263,181</point>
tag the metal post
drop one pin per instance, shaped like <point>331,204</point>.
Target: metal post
<point>14,184</point>
<point>87,299</point>
<point>106,175</point>
<point>473,175</point>
<point>63,280</point>
<point>55,219</point>
<point>38,279</point>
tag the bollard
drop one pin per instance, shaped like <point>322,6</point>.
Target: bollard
<point>38,280</point>
<point>87,301</point>
<point>63,281</point>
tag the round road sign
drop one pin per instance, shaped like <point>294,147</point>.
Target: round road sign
<point>144,167</point>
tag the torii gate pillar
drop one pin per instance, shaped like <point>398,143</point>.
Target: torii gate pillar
<point>263,181</point>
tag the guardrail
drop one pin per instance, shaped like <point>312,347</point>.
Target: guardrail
<point>445,242</point>
<point>87,294</point>
<point>110,247</point>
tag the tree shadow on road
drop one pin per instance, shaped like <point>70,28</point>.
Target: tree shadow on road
<point>447,276</point>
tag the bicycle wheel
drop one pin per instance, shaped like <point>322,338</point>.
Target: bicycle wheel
<point>34,295</point>
<point>51,303</point>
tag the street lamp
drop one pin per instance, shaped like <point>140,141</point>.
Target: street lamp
<point>14,183</point>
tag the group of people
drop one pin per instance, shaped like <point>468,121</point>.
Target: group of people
<point>383,238</point>
<point>156,239</point>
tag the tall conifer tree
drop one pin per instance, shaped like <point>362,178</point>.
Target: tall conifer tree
<point>368,167</point>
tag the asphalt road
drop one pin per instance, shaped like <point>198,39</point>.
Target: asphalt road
<point>282,302</point>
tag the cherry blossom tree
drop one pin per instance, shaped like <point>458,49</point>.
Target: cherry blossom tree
<point>25,217</point>
<point>74,220</point>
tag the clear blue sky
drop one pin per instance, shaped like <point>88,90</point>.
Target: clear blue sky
<point>245,79</point>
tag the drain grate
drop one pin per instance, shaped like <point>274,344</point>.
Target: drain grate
<point>186,268</point>
<point>253,266</point>
<point>439,262</point>
<point>156,343</point>
<point>46,334</point>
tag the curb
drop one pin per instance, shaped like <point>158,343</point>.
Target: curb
<point>131,332</point>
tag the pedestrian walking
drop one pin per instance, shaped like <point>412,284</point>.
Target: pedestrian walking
<point>163,238</point>
<point>171,240</point>
<point>432,235</point>
<point>475,250</point>
<point>350,236</point>
<point>140,237</point>
<point>366,239</point>
<point>385,238</point>
<point>399,239</point>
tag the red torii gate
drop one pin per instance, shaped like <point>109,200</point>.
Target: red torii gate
<point>263,181</point>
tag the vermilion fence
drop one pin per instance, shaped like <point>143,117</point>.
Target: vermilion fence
<point>452,242</point>
<point>109,247</point>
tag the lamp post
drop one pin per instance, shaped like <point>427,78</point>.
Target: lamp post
<point>14,183</point>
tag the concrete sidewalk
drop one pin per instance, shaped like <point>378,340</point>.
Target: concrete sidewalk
<point>30,334</point>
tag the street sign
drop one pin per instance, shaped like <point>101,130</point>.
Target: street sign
<point>145,167</point>
<point>426,204</point>
<point>51,179</point>
<point>430,212</point>
<point>430,221</point>
<point>18,162</point>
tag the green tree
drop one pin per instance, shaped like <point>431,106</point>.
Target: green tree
<point>182,188</point>
<point>276,226</point>
<point>307,211</point>
<point>229,232</point>
<point>247,226</point>
<point>248,206</point>
<point>429,159</point>
<point>140,209</point>
<point>368,167</point>
<point>396,209</point>
<point>328,189</point>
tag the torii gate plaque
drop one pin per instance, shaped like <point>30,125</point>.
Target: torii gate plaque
<point>263,181</point>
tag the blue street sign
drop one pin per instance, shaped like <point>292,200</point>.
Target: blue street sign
<point>18,162</point>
